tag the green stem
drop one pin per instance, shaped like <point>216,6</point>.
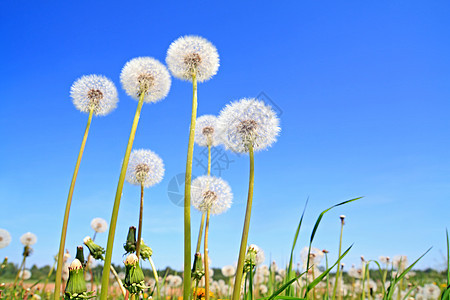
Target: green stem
<point>240,266</point>
<point>363,296</point>
<point>155,274</point>
<point>116,276</point>
<point>187,195</point>
<point>206,256</point>
<point>141,210</point>
<point>328,277</point>
<point>338,271</point>
<point>200,233</point>
<point>369,295</point>
<point>67,211</point>
<point>48,277</point>
<point>22,266</point>
<point>115,212</point>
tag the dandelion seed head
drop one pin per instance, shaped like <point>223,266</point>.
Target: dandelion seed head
<point>25,274</point>
<point>5,238</point>
<point>94,92</point>
<point>145,75</point>
<point>228,271</point>
<point>189,54</point>
<point>145,167</point>
<point>315,256</point>
<point>99,225</point>
<point>28,239</point>
<point>209,192</point>
<point>248,121</point>
<point>400,262</point>
<point>206,131</point>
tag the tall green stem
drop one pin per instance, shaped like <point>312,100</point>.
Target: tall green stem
<point>240,266</point>
<point>21,268</point>
<point>206,256</point>
<point>338,271</point>
<point>67,211</point>
<point>115,212</point>
<point>155,274</point>
<point>48,276</point>
<point>141,210</point>
<point>187,195</point>
<point>200,233</point>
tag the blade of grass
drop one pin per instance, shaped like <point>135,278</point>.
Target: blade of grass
<point>321,276</point>
<point>380,270</point>
<point>288,274</point>
<point>316,226</point>
<point>284,286</point>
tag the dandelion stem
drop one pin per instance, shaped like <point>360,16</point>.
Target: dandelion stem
<point>67,211</point>
<point>187,195</point>
<point>200,233</point>
<point>115,212</point>
<point>338,271</point>
<point>240,266</point>
<point>116,276</point>
<point>48,276</point>
<point>206,256</point>
<point>21,268</point>
<point>155,274</point>
<point>141,210</point>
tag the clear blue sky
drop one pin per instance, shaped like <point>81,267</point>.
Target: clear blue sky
<point>363,90</point>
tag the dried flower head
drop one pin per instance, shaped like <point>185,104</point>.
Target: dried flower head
<point>145,75</point>
<point>209,192</point>
<point>192,54</point>
<point>99,225</point>
<point>248,121</point>
<point>145,167</point>
<point>206,132</point>
<point>5,238</point>
<point>94,92</point>
<point>28,239</point>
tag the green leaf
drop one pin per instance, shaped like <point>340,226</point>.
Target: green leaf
<point>284,286</point>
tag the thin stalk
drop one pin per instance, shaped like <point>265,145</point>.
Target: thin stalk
<point>22,266</point>
<point>48,276</point>
<point>141,210</point>
<point>363,296</point>
<point>187,195</point>
<point>116,276</point>
<point>67,211</point>
<point>206,256</point>
<point>328,276</point>
<point>369,295</point>
<point>338,271</point>
<point>200,233</point>
<point>240,266</point>
<point>115,212</point>
<point>155,274</point>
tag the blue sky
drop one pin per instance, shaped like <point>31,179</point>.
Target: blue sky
<point>362,89</point>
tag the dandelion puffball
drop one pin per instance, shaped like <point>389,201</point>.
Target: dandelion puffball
<point>25,274</point>
<point>28,239</point>
<point>189,54</point>
<point>248,121</point>
<point>5,238</point>
<point>228,271</point>
<point>260,256</point>
<point>209,192</point>
<point>94,92</point>
<point>145,167</point>
<point>206,132</point>
<point>99,225</point>
<point>145,75</point>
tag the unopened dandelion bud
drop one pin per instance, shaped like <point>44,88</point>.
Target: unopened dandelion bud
<point>76,285</point>
<point>325,251</point>
<point>80,255</point>
<point>362,258</point>
<point>197,269</point>
<point>5,262</point>
<point>145,251</point>
<point>95,250</point>
<point>130,244</point>
<point>250,259</point>
<point>134,277</point>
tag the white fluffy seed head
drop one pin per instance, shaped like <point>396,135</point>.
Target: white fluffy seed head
<point>5,238</point>
<point>248,121</point>
<point>189,54</point>
<point>25,274</point>
<point>209,192</point>
<point>145,167</point>
<point>28,239</point>
<point>94,92</point>
<point>206,131</point>
<point>145,75</point>
<point>99,225</point>
<point>228,271</point>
